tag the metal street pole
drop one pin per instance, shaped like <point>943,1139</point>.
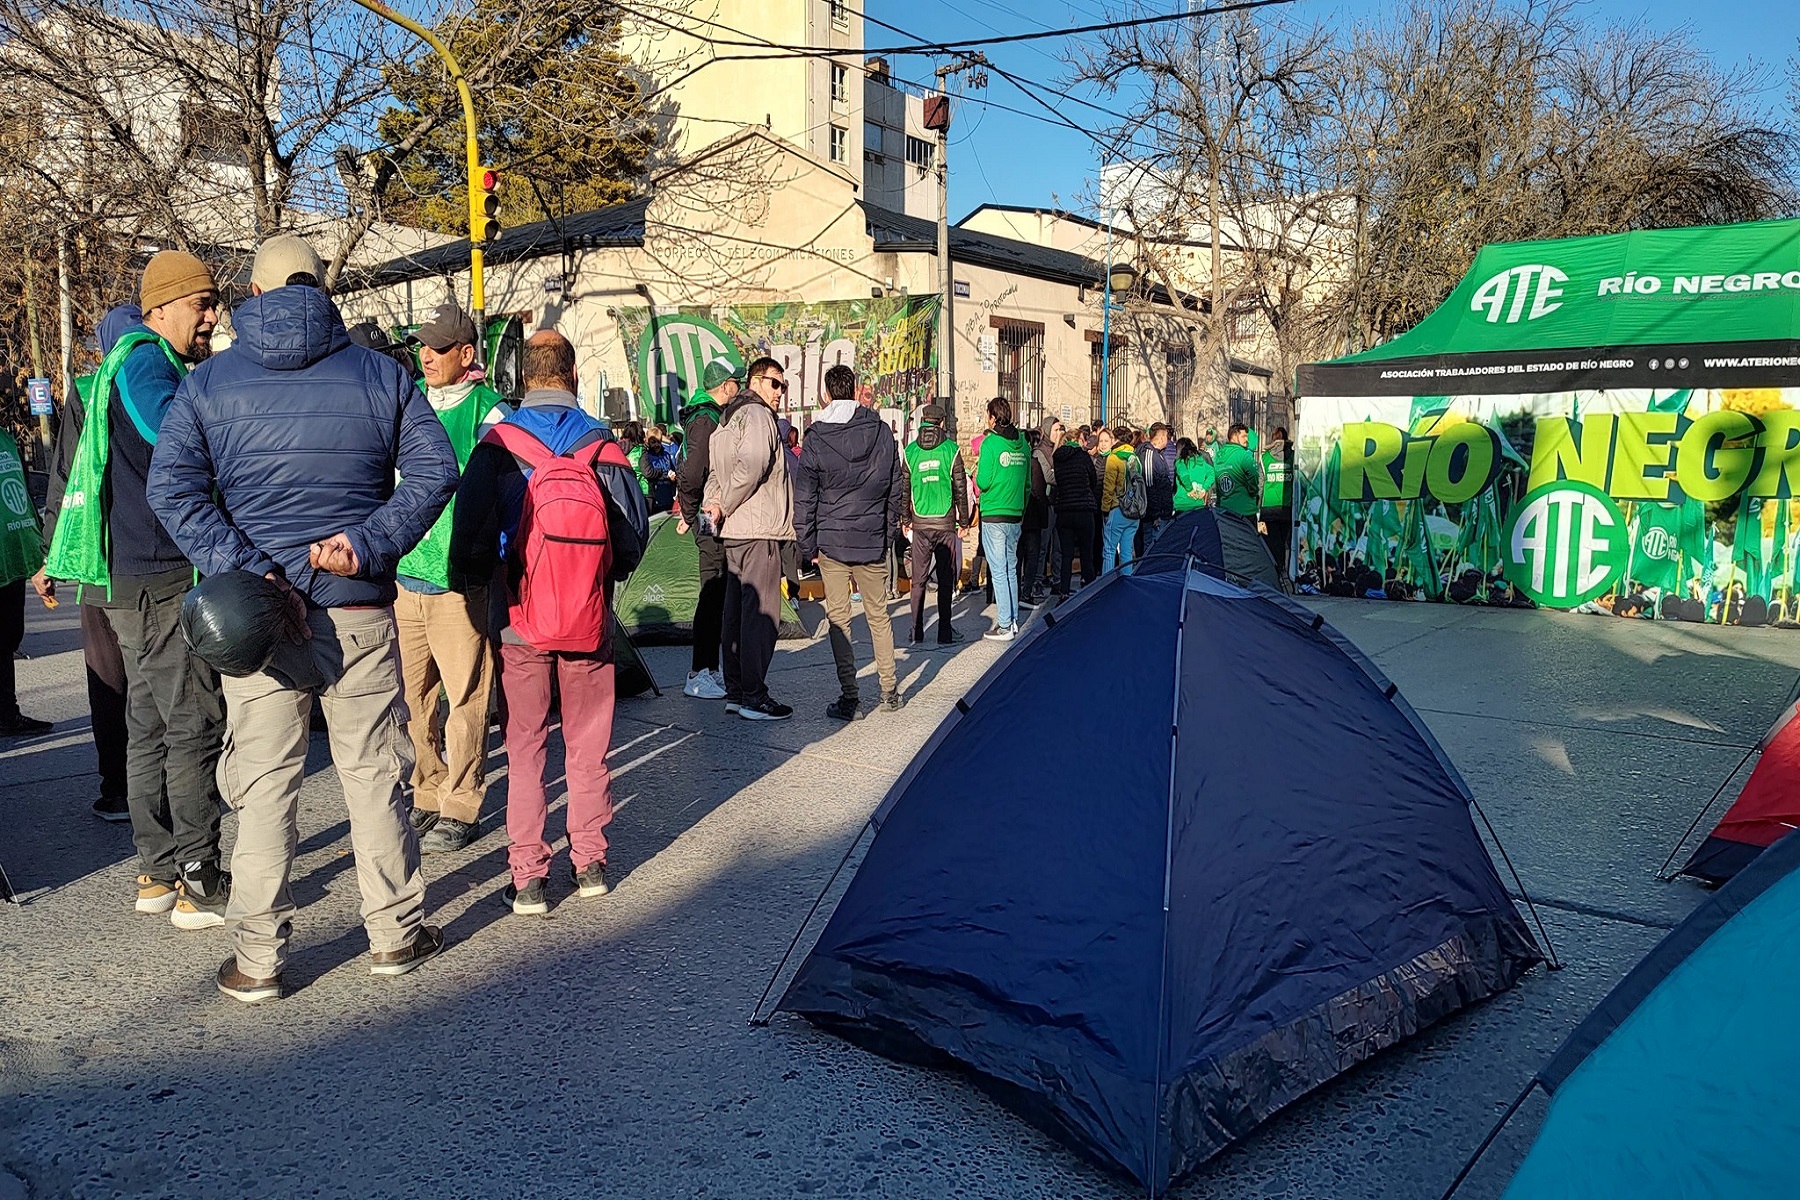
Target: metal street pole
<point>1106,322</point>
<point>946,274</point>
<point>477,292</point>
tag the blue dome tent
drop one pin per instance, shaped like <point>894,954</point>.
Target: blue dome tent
<point>1271,876</point>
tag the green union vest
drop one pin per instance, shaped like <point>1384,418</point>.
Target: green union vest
<point>931,472</point>
<point>81,549</point>
<point>21,541</point>
<point>430,559</point>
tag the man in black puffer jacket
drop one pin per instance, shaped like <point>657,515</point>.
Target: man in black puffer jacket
<point>849,499</point>
<point>1077,501</point>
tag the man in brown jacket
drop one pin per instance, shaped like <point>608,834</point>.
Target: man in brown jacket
<point>750,502</point>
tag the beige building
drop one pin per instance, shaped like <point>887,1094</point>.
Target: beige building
<point>760,244</point>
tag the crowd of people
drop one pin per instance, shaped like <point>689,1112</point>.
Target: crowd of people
<point>440,558</point>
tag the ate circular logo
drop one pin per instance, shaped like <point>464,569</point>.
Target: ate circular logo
<point>1657,544</point>
<point>12,493</point>
<point>1566,544</point>
<point>672,354</point>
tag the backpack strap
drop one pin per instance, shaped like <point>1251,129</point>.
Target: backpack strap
<point>521,443</point>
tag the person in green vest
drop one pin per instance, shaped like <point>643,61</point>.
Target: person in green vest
<point>937,508</point>
<point>113,546</point>
<point>1239,481</point>
<point>443,634</point>
<point>21,553</point>
<point>1003,478</point>
<point>1277,514</point>
<point>1194,477</point>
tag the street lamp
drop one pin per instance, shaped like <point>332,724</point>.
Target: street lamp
<point>1120,277</point>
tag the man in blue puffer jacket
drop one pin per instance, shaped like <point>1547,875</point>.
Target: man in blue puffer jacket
<point>280,456</point>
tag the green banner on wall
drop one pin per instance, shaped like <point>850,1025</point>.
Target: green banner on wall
<point>889,343</point>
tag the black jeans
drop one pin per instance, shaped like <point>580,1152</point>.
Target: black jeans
<point>752,617</point>
<point>1281,533</point>
<point>709,609</point>
<point>12,636</point>
<point>933,553</point>
<point>106,688</point>
<point>1077,532</point>
<point>175,715</point>
<point>1031,553</point>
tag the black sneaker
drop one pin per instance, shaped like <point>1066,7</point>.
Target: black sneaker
<point>844,709</point>
<point>112,808</point>
<point>591,880</point>
<point>768,710</point>
<point>891,702</point>
<point>201,896</point>
<point>20,725</point>
<point>529,900</point>
<point>239,986</point>
<point>953,639</point>
<point>447,834</point>
<point>425,944</point>
<point>422,819</point>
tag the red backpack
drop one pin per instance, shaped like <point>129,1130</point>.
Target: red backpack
<point>561,548</point>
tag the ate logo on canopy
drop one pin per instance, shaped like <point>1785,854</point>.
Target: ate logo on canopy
<point>1505,296</point>
<point>1566,545</point>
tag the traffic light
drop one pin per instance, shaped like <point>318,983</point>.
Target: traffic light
<point>484,207</point>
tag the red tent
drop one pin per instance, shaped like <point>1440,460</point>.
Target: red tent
<point>1767,808</point>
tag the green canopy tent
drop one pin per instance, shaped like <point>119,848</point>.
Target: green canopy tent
<point>656,606</point>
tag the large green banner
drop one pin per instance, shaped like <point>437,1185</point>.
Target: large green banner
<point>1677,504</point>
<point>888,342</point>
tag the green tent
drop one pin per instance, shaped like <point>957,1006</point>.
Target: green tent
<point>656,605</point>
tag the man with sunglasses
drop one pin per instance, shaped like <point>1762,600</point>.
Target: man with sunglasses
<point>750,501</point>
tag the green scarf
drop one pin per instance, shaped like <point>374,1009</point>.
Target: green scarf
<point>81,549</point>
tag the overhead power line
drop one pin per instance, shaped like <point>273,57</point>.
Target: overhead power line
<point>789,50</point>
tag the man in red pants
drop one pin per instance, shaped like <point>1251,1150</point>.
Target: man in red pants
<point>550,508</point>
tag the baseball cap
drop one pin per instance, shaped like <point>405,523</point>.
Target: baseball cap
<point>444,326</point>
<point>281,258</point>
<point>719,370</point>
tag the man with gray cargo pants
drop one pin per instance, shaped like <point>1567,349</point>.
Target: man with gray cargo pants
<point>316,463</point>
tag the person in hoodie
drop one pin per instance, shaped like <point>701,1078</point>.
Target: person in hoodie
<point>174,712</point>
<point>100,653</point>
<point>1003,474</point>
<point>749,499</point>
<point>1077,512</point>
<point>489,504</point>
<point>444,630</point>
<point>1194,477</point>
<point>937,508</point>
<point>849,499</point>
<point>305,458</point>
<point>722,379</point>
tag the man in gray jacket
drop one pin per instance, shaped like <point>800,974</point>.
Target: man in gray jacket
<point>750,501</point>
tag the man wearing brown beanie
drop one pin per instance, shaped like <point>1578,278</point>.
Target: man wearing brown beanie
<point>109,542</point>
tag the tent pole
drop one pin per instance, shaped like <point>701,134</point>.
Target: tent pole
<point>1488,1140</point>
<point>1554,963</point>
<point>756,1020</point>
<point>1662,872</point>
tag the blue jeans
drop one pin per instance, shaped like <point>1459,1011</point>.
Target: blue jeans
<point>1000,543</point>
<point>1116,539</point>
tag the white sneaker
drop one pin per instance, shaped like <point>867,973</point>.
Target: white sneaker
<point>704,685</point>
<point>1002,633</point>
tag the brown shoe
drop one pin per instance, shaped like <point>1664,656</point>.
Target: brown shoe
<point>427,942</point>
<point>239,986</point>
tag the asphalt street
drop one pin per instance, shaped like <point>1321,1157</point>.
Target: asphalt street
<point>606,1050</point>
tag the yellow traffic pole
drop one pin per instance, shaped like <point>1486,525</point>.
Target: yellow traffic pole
<point>477,293</point>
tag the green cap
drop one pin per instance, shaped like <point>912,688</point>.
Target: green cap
<point>719,370</point>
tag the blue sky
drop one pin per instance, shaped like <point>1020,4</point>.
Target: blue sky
<point>997,156</point>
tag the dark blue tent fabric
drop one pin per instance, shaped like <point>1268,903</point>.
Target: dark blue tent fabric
<point>1219,539</point>
<point>1268,876</point>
